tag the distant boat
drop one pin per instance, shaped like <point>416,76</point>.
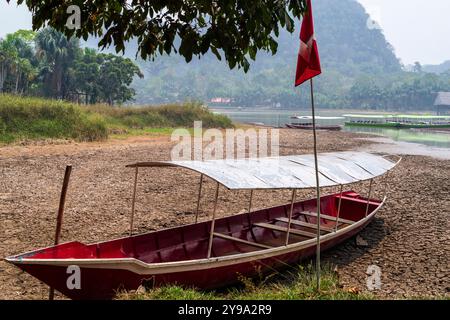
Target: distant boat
<point>398,121</point>
<point>259,124</point>
<point>324,123</point>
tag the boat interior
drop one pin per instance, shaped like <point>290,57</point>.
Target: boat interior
<point>241,233</point>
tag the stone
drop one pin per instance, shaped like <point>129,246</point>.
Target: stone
<point>361,242</point>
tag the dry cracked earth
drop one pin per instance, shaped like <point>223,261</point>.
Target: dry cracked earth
<point>409,238</point>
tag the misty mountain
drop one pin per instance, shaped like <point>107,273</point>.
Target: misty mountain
<point>348,49</point>
<point>437,68</point>
<point>360,70</point>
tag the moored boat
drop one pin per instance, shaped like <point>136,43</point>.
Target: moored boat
<point>214,253</point>
<point>323,123</point>
<point>398,121</point>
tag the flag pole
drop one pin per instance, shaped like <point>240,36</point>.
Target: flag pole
<point>316,167</point>
<point>308,66</point>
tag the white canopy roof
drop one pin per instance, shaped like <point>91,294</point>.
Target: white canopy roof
<point>317,118</point>
<point>288,172</point>
<point>371,116</point>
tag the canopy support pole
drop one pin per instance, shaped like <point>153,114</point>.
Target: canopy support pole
<point>316,167</point>
<point>290,216</point>
<point>250,202</point>
<point>134,200</point>
<point>249,221</point>
<point>213,222</point>
<point>339,209</point>
<point>368,197</point>
<point>198,198</point>
<point>386,184</point>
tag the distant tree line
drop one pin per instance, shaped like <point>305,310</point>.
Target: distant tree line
<point>170,80</point>
<point>401,91</point>
<point>48,64</point>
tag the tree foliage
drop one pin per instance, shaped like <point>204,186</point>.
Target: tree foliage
<point>57,55</point>
<point>17,61</point>
<point>402,91</point>
<point>49,64</point>
<point>236,29</point>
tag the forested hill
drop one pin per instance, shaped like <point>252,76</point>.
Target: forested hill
<point>360,70</point>
<point>348,49</point>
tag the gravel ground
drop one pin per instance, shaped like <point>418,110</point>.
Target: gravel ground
<point>408,240</point>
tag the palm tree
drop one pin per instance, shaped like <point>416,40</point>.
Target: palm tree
<point>17,61</point>
<point>56,53</point>
<point>8,55</point>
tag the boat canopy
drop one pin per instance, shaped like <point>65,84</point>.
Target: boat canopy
<point>287,172</point>
<point>368,116</point>
<point>418,116</point>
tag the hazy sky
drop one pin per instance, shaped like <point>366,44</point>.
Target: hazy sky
<point>419,30</point>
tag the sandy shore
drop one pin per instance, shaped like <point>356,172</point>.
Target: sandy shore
<point>409,239</point>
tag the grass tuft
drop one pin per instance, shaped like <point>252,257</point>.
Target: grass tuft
<point>296,284</point>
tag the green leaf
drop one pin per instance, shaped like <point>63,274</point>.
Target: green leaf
<point>216,53</point>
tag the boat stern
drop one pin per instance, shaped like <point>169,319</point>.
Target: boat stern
<point>64,268</point>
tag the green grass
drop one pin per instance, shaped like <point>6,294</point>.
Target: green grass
<point>125,133</point>
<point>25,118</point>
<point>293,284</point>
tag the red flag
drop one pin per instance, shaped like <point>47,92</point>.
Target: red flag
<point>308,61</point>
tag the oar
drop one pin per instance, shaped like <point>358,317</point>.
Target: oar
<point>59,219</point>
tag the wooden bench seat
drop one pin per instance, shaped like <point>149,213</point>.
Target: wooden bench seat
<point>249,243</point>
<point>327,217</point>
<point>358,200</point>
<point>305,224</point>
<point>284,229</point>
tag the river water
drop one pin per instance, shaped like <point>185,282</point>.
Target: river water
<point>279,118</point>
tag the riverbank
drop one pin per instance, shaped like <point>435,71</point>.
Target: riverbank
<point>408,239</point>
<point>35,119</point>
<point>279,118</point>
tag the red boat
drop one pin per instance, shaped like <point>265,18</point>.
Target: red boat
<point>213,253</point>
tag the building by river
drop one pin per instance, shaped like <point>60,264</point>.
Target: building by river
<point>442,103</point>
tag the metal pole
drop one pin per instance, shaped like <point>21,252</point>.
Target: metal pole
<point>211,233</point>
<point>250,202</point>
<point>249,220</point>
<point>59,219</point>
<point>339,209</point>
<point>368,197</point>
<point>386,185</point>
<point>316,166</point>
<point>290,216</point>
<point>198,199</point>
<point>134,200</point>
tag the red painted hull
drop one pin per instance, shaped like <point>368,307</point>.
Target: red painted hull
<point>177,255</point>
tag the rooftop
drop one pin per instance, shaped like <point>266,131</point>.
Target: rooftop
<point>442,99</point>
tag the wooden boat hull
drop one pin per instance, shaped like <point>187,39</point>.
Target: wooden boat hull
<point>318,127</point>
<point>125,264</point>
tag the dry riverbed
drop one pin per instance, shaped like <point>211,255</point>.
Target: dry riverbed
<point>408,240</point>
